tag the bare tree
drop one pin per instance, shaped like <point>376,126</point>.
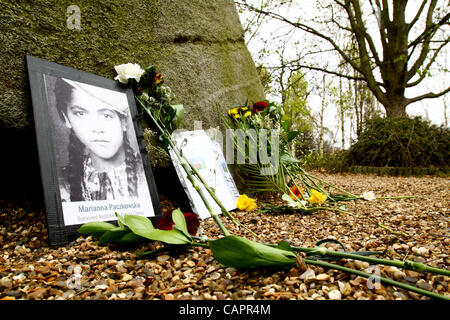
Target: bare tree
<point>407,52</point>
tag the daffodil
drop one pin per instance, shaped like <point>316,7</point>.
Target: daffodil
<point>317,197</point>
<point>247,114</point>
<point>246,203</point>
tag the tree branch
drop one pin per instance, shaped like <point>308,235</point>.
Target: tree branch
<point>430,28</point>
<point>342,75</point>
<point>359,31</point>
<point>308,29</point>
<point>429,95</point>
<point>426,36</point>
<point>424,72</point>
<point>419,12</point>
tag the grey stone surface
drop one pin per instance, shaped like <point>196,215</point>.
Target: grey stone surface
<point>197,45</point>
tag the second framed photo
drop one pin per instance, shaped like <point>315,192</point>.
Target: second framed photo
<point>92,154</point>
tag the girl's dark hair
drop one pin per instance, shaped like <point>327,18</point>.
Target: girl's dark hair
<point>63,95</point>
<point>131,161</point>
<point>76,155</point>
<point>74,168</point>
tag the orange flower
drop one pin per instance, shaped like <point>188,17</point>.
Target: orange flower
<point>298,192</point>
<point>159,78</point>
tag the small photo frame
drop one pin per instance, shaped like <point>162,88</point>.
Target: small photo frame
<point>207,158</point>
<point>92,153</point>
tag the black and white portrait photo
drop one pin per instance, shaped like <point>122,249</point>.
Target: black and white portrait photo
<point>99,161</point>
<point>92,164</point>
<point>96,149</point>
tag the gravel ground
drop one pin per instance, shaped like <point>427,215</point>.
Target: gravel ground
<point>81,270</point>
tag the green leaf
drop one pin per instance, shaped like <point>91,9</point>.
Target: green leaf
<point>284,245</point>
<point>291,135</point>
<point>179,115</point>
<point>180,222</point>
<point>143,227</point>
<point>285,125</point>
<point>120,220</point>
<point>139,225</point>
<point>131,238</point>
<point>169,236</point>
<point>234,251</point>
<point>113,235</point>
<point>95,228</point>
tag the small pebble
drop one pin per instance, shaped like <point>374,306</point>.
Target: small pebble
<point>335,295</point>
<point>322,277</point>
<point>424,285</point>
<point>308,275</point>
<point>163,258</point>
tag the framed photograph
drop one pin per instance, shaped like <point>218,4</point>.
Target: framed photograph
<point>207,158</point>
<point>92,153</point>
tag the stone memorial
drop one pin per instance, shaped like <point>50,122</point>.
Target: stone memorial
<point>197,45</point>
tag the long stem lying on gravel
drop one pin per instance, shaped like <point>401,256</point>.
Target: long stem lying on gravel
<point>411,265</point>
<point>322,251</point>
<point>417,266</point>
<point>377,278</point>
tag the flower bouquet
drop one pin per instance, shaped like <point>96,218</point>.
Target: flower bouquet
<point>267,165</point>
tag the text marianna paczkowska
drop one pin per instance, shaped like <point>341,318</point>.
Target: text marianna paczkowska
<point>120,206</point>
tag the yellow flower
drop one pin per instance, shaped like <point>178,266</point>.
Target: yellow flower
<point>237,116</point>
<point>246,203</point>
<point>248,113</point>
<point>235,110</point>
<point>317,197</point>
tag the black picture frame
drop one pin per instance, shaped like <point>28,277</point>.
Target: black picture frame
<point>65,217</point>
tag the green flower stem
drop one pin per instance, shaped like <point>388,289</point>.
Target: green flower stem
<point>216,199</point>
<point>411,265</point>
<point>195,172</point>
<point>325,252</point>
<point>322,181</point>
<point>292,193</point>
<point>399,197</point>
<point>188,171</point>
<point>379,278</point>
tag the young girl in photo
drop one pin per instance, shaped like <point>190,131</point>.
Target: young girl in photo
<point>102,165</point>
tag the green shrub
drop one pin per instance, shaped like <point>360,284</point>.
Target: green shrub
<point>401,142</point>
<point>331,162</point>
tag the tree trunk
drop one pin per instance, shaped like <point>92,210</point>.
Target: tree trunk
<point>396,108</point>
<point>341,106</point>
<point>322,112</point>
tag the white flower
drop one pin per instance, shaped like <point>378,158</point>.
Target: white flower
<point>368,195</point>
<point>293,203</point>
<point>128,71</point>
<point>145,96</point>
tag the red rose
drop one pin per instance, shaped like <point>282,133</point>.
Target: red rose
<point>192,222</point>
<point>166,222</point>
<point>259,106</point>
